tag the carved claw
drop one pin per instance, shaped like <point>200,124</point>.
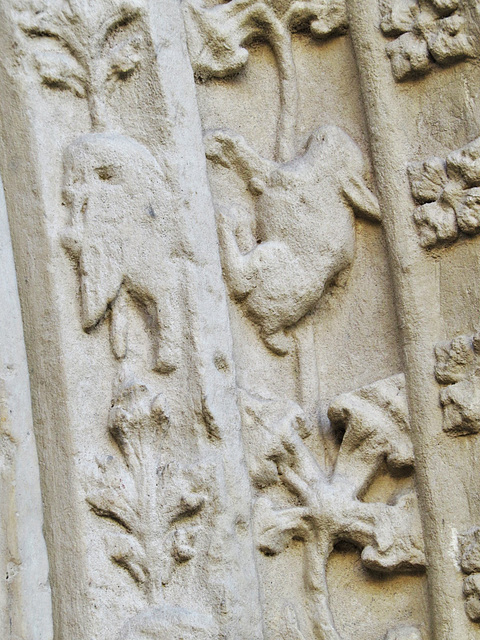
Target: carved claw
<point>219,145</point>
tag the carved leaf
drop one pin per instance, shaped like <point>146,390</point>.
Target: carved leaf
<point>277,527</point>
<point>271,427</point>
<point>61,71</point>
<point>128,554</point>
<point>124,59</point>
<point>218,36</point>
<point>408,55</point>
<point>436,224</point>
<point>398,16</point>
<point>471,592</point>
<point>445,6</point>
<point>453,360</point>
<point>463,165</point>
<point>469,543</point>
<point>448,41</point>
<point>374,422</point>
<point>137,422</point>
<point>470,550</point>
<point>398,538</point>
<point>113,494</point>
<point>330,17</point>
<point>427,179</point>
<point>457,367</point>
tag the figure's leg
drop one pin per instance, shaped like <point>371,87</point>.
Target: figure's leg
<point>170,324</point>
<point>119,325</point>
<point>236,266</point>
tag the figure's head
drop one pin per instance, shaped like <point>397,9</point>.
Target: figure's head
<point>333,153</point>
<point>107,173</point>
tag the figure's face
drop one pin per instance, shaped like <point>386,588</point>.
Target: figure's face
<point>96,192</point>
<point>96,184</point>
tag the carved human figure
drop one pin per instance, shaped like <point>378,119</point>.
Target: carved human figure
<point>124,236</point>
<point>304,226</point>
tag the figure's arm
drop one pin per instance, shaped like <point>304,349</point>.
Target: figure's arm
<point>232,151</point>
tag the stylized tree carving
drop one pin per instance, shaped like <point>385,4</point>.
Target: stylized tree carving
<point>218,37</point>
<point>155,505</point>
<point>86,46</point>
<point>327,509</point>
<point>458,369</point>
<point>448,192</point>
<point>123,229</point>
<point>426,32</point>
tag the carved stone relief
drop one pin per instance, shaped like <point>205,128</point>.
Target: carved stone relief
<point>232,226</point>
<point>457,371</point>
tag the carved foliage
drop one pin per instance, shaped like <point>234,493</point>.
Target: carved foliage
<point>470,563</point>
<point>84,46</point>
<point>448,192</point>
<point>155,505</point>
<point>458,369</point>
<point>326,509</point>
<point>426,32</point>
<point>218,35</point>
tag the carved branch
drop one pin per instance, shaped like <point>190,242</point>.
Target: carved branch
<point>218,37</point>
<point>86,47</point>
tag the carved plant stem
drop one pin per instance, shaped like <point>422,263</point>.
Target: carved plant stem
<point>281,46</point>
<point>307,370</point>
<point>307,374</point>
<point>317,552</point>
<point>416,283</point>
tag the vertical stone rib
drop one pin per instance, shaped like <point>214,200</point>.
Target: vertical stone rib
<point>25,599</point>
<point>418,307</point>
